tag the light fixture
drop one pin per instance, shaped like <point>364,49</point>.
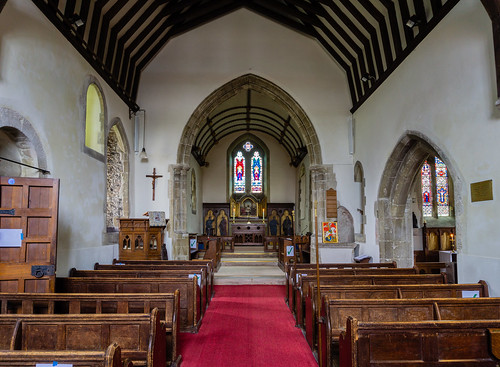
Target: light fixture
<point>143,155</point>
<point>413,21</point>
<point>76,20</point>
<point>365,78</point>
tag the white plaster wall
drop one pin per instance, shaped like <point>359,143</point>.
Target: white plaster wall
<point>445,90</point>
<point>42,78</point>
<point>195,64</point>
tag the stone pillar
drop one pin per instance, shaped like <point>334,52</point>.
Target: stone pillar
<point>322,178</point>
<point>178,211</point>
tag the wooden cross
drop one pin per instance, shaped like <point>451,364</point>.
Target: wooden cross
<point>154,176</point>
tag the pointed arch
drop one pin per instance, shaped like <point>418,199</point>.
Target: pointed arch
<point>232,88</point>
<point>394,220</point>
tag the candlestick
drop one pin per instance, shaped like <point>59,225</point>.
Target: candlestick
<point>234,213</point>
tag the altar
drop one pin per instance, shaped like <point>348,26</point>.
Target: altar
<point>248,233</point>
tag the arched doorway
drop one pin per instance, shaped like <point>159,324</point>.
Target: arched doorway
<point>179,199</point>
<point>394,214</point>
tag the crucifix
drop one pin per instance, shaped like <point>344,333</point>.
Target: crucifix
<point>154,176</point>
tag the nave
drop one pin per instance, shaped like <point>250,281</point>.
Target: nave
<point>247,325</point>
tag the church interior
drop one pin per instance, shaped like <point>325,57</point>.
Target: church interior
<point>240,143</point>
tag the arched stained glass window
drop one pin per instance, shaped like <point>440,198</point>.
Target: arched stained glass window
<point>426,190</point>
<point>256,172</point>
<point>239,173</point>
<point>443,205</point>
<point>435,193</point>
<point>94,119</point>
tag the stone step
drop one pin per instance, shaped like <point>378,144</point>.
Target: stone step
<point>261,255</point>
<point>249,262</point>
<point>234,275</point>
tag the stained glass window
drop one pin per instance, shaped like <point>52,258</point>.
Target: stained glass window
<point>442,197</point>
<point>248,146</point>
<point>239,173</point>
<point>426,190</point>
<point>256,172</point>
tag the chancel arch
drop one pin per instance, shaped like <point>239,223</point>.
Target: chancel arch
<point>20,142</point>
<point>400,185</point>
<point>297,127</point>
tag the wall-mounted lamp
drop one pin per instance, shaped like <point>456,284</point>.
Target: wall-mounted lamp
<point>143,155</point>
<point>365,78</point>
<point>76,20</point>
<point>414,21</point>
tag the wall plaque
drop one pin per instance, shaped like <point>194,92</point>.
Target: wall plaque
<point>481,191</point>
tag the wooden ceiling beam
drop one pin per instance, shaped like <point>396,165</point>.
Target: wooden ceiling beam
<point>2,4</point>
<point>420,12</point>
<point>405,15</point>
<point>393,21</point>
<point>433,22</point>
<point>106,19</point>
<point>382,26</point>
<point>94,24</point>
<point>120,25</point>
<point>83,14</point>
<point>360,18</point>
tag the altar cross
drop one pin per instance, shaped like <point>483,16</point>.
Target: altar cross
<point>154,176</point>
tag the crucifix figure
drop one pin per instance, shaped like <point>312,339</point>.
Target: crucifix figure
<point>154,176</point>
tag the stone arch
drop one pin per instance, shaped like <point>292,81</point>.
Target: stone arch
<point>394,220</point>
<point>25,140</point>
<point>232,88</point>
<point>178,172</point>
<point>117,175</point>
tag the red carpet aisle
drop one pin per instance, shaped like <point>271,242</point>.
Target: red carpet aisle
<point>247,325</point>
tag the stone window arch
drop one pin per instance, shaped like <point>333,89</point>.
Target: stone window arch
<point>19,142</point>
<point>117,176</point>
<point>95,121</point>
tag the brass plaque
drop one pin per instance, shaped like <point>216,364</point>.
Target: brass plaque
<point>481,191</point>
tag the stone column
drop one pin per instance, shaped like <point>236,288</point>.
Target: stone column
<point>322,178</point>
<point>178,211</point>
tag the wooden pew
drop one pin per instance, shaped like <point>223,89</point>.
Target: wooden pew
<point>291,268</point>
<point>110,357</point>
<point>123,272</point>
<point>403,276</point>
<point>101,303</point>
<point>436,343</point>
<point>335,312</point>
<point>213,251</point>
<point>431,267</point>
<point>205,269</point>
<point>158,263</point>
<point>141,337</point>
<point>295,277</point>
<point>190,295</point>
<point>400,291</point>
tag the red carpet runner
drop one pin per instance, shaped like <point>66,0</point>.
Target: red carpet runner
<point>247,325</point>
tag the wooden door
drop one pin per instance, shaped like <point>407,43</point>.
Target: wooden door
<point>29,204</point>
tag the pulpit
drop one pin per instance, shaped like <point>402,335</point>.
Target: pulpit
<point>139,240</point>
<point>249,234</point>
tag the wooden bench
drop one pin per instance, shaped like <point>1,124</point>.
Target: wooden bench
<point>158,263</point>
<point>205,270</point>
<point>431,267</point>
<point>213,251</point>
<point>335,313</point>
<point>101,303</point>
<point>110,357</point>
<point>304,282</point>
<point>294,283</point>
<point>190,294</point>
<point>141,337</point>
<point>400,291</point>
<point>123,272</point>
<point>290,269</point>
<point>436,343</point>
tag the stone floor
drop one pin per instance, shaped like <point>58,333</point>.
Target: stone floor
<point>249,265</point>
